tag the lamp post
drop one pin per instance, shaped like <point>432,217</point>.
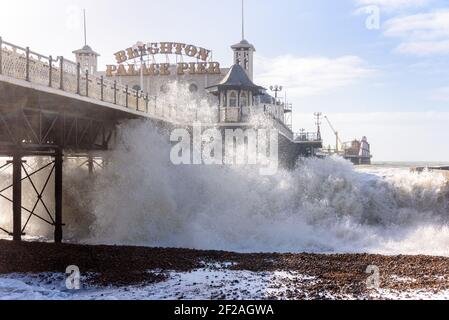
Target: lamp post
<point>139,46</point>
<point>276,89</point>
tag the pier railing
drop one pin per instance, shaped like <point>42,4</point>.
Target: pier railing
<point>252,114</point>
<point>307,137</point>
<point>60,73</point>
<point>68,76</point>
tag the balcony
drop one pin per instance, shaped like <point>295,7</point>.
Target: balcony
<point>307,137</point>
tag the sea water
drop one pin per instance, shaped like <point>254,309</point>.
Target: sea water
<point>323,205</point>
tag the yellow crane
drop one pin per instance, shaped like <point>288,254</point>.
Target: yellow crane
<point>337,136</point>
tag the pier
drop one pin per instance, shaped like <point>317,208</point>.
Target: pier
<point>50,107</point>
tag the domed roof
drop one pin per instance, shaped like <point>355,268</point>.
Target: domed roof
<point>244,44</point>
<point>236,79</point>
<point>86,50</point>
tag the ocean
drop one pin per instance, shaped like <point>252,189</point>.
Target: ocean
<point>323,206</point>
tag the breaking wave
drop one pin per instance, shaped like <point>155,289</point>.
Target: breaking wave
<point>321,206</point>
<point>139,198</point>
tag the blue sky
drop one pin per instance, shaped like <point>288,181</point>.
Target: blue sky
<point>390,83</point>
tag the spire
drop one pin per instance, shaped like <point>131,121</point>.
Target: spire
<point>243,19</point>
<point>85,28</point>
<point>244,51</point>
<point>86,57</point>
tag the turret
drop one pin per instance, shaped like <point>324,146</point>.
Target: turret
<point>88,59</point>
<point>244,57</point>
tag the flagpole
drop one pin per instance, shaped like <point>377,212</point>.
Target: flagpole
<point>243,20</point>
<point>85,28</point>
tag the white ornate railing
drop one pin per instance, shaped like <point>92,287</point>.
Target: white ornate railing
<point>253,115</point>
<point>307,137</point>
<point>22,63</point>
<point>62,74</point>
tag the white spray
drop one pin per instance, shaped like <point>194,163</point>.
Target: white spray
<point>140,198</point>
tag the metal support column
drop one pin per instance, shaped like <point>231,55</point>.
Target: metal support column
<point>58,196</point>
<point>90,165</point>
<point>17,196</point>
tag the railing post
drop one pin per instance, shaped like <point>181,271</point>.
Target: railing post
<point>1,55</point>
<point>87,83</point>
<point>27,77</point>
<point>50,75</point>
<point>146,103</point>
<point>115,91</point>
<point>102,86</point>
<point>78,78</point>
<point>61,74</point>
<point>126,93</point>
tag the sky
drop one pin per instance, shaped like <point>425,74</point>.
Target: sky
<point>376,68</point>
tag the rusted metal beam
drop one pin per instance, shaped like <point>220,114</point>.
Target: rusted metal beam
<point>58,196</point>
<point>28,175</point>
<point>39,194</point>
<point>37,130</point>
<point>17,196</point>
<point>90,164</point>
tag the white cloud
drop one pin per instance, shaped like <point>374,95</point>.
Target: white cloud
<point>391,5</point>
<point>421,34</point>
<point>440,94</point>
<point>306,76</point>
